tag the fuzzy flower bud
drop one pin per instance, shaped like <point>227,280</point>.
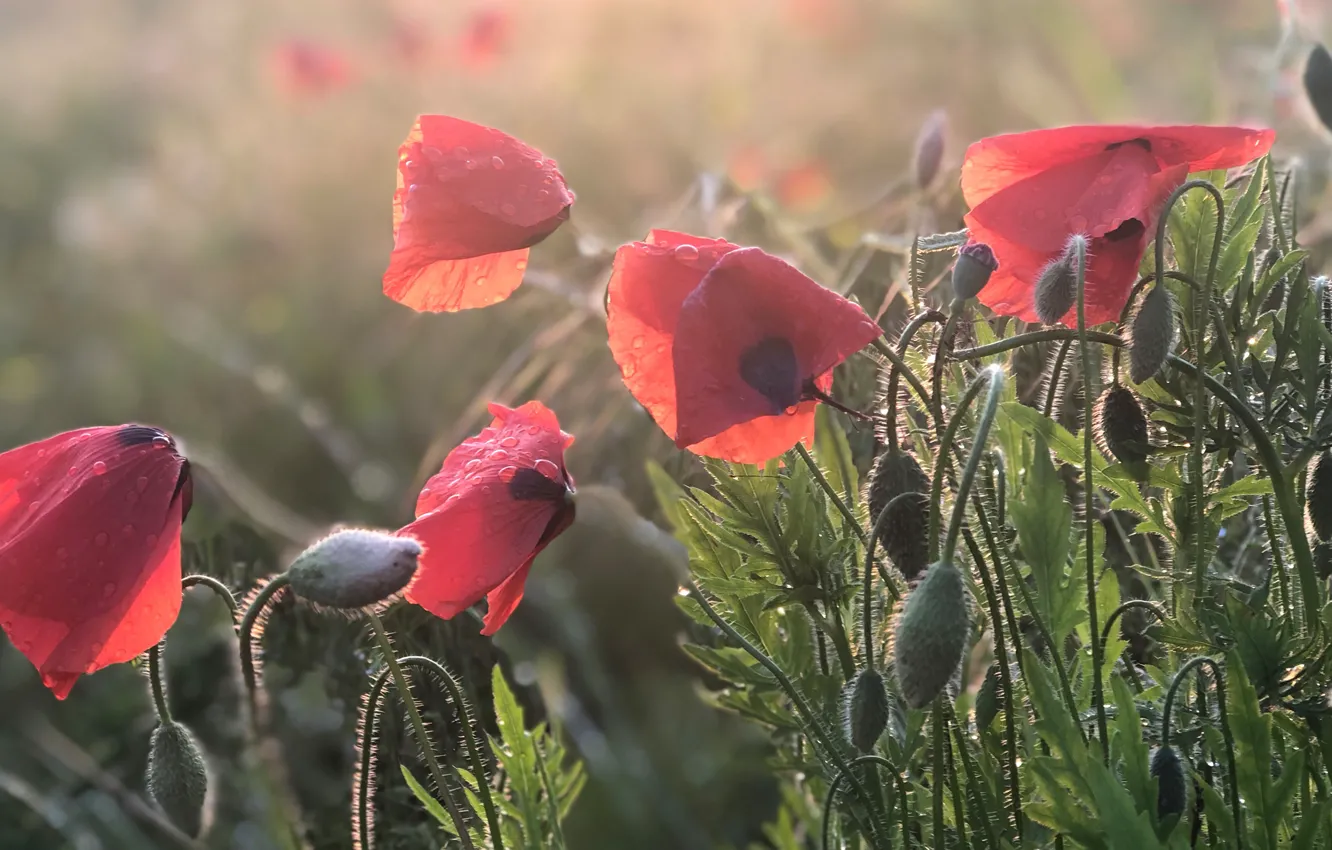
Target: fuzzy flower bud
<point>866,710</point>
<point>1121,428</point>
<point>1172,784</point>
<point>1318,83</point>
<point>178,777</point>
<point>1318,496</point>
<point>929,148</point>
<point>904,533</point>
<point>354,568</point>
<point>931,635</point>
<point>1152,334</point>
<point>975,263</point>
<point>1057,286</point>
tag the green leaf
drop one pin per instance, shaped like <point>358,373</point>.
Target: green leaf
<point>834,453</point>
<point>1252,731</point>
<point>432,806</point>
<point>1044,519</point>
<point>1311,823</point>
<point>1131,749</point>
<point>1218,811</point>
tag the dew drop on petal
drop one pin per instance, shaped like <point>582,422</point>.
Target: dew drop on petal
<point>507,473</point>
<point>508,209</point>
<point>41,453</point>
<point>637,343</point>
<point>471,465</point>
<point>482,280</point>
<point>499,454</point>
<point>509,442</point>
<point>73,470</point>
<point>497,161</point>
<point>686,253</point>
<point>629,370</point>
<point>470,165</point>
<point>99,468</point>
<point>453,498</point>
<point>142,483</point>
<point>520,264</point>
<point>791,411</point>
<point>127,530</point>
<point>543,194</point>
<point>547,468</point>
<point>101,538</point>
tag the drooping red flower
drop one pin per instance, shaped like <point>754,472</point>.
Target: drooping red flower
<point>470,202</point>
<point>498,500</point>
<point>1030,191</point>
<point>727,348</point>
<point>305,69</point>
<point>90,547</point>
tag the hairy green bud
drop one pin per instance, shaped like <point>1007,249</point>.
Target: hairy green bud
<point>866,710</point>
<point>904,534</point>
<point>178,777</point>
<point>1318,496</point>
<point>1172,785</point>
<point>354,568</point>
<point>1152,334</point>
<point>1057,286</point>
<point>1121,428</point>
<point>931,634</point>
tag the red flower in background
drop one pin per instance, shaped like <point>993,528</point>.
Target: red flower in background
<point>485,35</point>
<point>727,348</point>
<point>306,69</point>
<point>470,202</point>
<point>1030,191</point>
<point>90,547</point>
<point>498,500</point>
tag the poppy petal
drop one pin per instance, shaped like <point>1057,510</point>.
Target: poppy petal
<point>465,192</point>
<point>90,548</point>
<point>503,600</point>
<point>750,336</point>
<point>648,284</point>
<point>767,436</point>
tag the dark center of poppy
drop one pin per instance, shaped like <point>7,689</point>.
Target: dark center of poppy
<point>1130,229</point>
<point>1142,143</point>
<point>141,435</point>
<point>528,485</point>
<point>770,367</point>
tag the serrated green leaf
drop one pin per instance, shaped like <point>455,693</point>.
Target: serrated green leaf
<point>432,806</point>
<point>1044,520</point>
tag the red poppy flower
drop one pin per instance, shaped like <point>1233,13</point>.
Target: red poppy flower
<point>498,500</point>
<point>90,547</point>
<point>306,69</point>
<point>470,202</point>
<point>727,348</point>
<point>1030,191</point>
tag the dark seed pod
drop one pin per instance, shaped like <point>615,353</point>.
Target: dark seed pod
<point>1172,784</point>
<point>1318,83</point>
<point>1318,496</point>
<point>975,263</point>
<point>904,534</point>
<point>931,635</point>
<point>1121,428</point>
<point>929,149</point>
<point>1057,287</point>
<point>987,698</point>
<point>866,710</point>
<point>1152,334</point>
<point>178,777</point>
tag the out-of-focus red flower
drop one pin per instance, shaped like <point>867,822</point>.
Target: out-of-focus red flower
<point>485,34</point>
<point>727,348</point>
<point>90,547</point>
<point>499,499</point>
<point>1030,191</point>
<point>305,69</point>
<point>804,187</point>
<point>747,167</point>
<point>410,42</point>
<point>470,202</point>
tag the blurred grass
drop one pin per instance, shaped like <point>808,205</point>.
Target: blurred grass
<point>186,241</point>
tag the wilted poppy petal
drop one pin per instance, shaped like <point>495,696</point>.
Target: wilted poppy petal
<point>498,499</point>
<point>750,338</point>
<point>90,548</point>
<point>649,281</point>
<point>465,192</point>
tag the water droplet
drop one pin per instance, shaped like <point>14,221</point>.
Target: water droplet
<point>508,209</point>
<point>453,498</point>
<point>520,189</point>
<point>470,165</point>
<point>509,442</point>
<point>108,589</point>
<point>499,454</point>
<point>127,530</point>
<point>791,411</point>
<point>73,470</point>
<point>99,468</point>
<point>471,465</point>
<point>162,441</point>
<point>142,483</point>
<point>62,553</point>
<point>637,343</point>
<point>425,493</point>
<point>506,474</point>
<point>460,151</point>
<point>547,468</point>
<point>41,453</point>
<point>101,538</point>
<point>85,436</point>
<point>520,264</point>
<point>686,253</point>
<point>482,280</point>
<point>629,370</point>
<point>497,161</point>
<point>542,194</point>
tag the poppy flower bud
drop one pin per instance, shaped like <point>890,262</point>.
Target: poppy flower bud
<point>354,568</point>
<point>1172,785</point>
<point>866,710</point>
<point>178,777</point>
<point>1121,428</point>
<point>931,635</point>
<point>1057,287</point>
<point>904,534</point>
<point>1152,334</point>
<point>1318,83</point>
<point>987,698</point>
<point>975,263</point>
<point>929,148</point>
<point>1318,496</point>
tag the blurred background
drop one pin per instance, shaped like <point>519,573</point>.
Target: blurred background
<point>194,218</point>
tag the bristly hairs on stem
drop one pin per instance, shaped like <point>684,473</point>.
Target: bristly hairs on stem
<point>993,377</point>
<point>1180,677</point>
<point>156,671</point>
<point>251,635</point>
<point>844,773</point>
<point>888,430</point>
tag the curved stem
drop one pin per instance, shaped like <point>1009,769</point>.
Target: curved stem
<point>1044,335</point>
<point>1129,606</point>
<point>156,677</point>
<point>836,786</point>
<point>1281,490</point>
<point>944,344</point>
<point>222,591</point>
<point>1056,369</point>
<point>246,642</point>
<point>882,346</point>
<point>996,385</point>
<point>980,800</point>
<point>1278,563</point>
<point>830,490</point>
<point>363,815</point>
<point>418,727</point>
<point>1184,670</point>
<point>936,487</point>
<point>903,342</point>
<point>867,599</point>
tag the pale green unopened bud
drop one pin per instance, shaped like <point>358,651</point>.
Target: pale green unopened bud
<point>1152,334</point>
<point>1057,286</point>
<point>354,568</point>
<point>931,635</point>
<point>866,710</point>
<point>1172,785</point>
<point>178,778</point>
